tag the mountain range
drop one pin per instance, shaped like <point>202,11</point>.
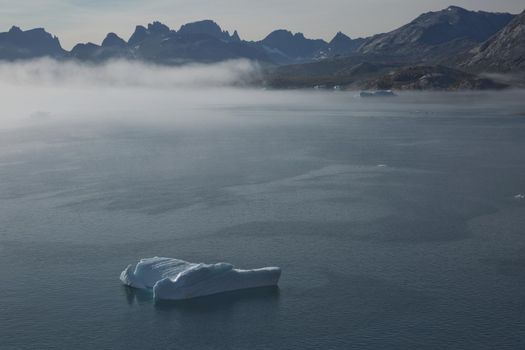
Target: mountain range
<point>473,41</point>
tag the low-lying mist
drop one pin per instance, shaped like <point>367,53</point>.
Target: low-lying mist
<point>52,95</point>
<point>57,96</point>
<point>45,90</point>
<point>122,73</point>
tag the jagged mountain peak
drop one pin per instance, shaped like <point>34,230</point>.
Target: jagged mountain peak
<point>202,25</point>
<point>15,29</point>
<point>113,40</point>
<point>208,27</point>
<point>138,35</point>
<point>340,37</point>
<point>293,46</point>
<point>141,33</point>
<point>235,36</point>
<point>342,45</point>
<point>158,28</point>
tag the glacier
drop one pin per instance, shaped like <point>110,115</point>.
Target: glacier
<point>174,279</point>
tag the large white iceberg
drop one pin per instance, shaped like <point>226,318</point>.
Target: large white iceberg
<point>174,279</point>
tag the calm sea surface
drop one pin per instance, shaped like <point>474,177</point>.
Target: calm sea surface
<point>398,223</point>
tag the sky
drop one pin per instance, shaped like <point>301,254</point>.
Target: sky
<point>76,21</point>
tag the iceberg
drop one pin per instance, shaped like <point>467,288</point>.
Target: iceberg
<point>378,93</point>
<point>174,279</point>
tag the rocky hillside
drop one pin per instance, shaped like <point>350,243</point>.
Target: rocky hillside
<point>434,36</point>
<point>431,78</point>
<point>352,74</point>
<point>504,52</point>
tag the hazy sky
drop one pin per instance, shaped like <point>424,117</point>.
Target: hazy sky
<point>89,20</point>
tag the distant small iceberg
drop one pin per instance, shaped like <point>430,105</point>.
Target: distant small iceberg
<point>173,279</point>
<point>378,93</point>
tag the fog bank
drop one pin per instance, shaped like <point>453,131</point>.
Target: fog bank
<point>55,95</point>
<point>45,91</point>
<point>122,73</point>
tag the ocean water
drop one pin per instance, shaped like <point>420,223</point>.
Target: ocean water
<point>398,223</point>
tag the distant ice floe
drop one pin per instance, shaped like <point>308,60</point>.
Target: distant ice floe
<point>173,279</point>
